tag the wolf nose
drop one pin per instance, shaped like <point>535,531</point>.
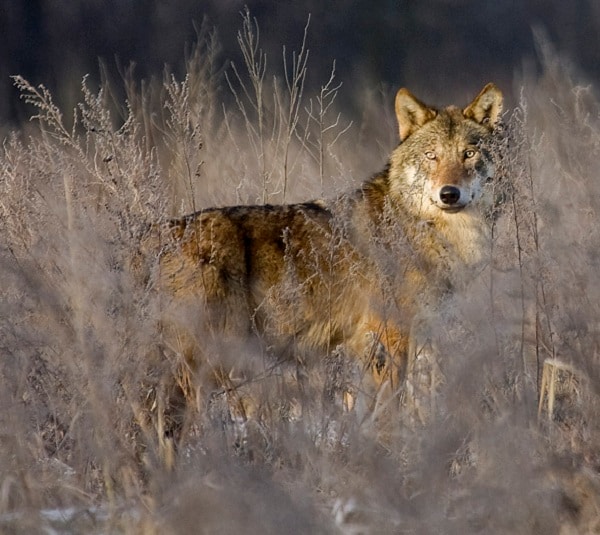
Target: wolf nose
<point>449,194</point>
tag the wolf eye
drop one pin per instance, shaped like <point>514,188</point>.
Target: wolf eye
<point>469,153</point>
<point>430,155</point>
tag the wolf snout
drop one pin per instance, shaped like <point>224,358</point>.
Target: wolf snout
<point>449,195</point>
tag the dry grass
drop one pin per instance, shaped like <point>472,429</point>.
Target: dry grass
<point>85,374</point>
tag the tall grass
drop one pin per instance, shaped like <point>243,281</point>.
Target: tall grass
<point>86,376</point>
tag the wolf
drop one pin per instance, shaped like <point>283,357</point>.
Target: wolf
<point>346,274</point>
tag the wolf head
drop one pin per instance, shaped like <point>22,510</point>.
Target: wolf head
<point>443,162</point>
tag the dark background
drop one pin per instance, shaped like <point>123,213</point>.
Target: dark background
<point>438,48</point>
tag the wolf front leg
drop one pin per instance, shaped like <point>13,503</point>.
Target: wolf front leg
<point>379,348</point>
<point>423,374</point>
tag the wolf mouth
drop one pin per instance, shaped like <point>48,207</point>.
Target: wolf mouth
<point>452,209</point>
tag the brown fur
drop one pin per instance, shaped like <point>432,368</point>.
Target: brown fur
<point>351,272</point>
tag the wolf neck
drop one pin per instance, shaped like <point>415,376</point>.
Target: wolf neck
<point>453,239</point>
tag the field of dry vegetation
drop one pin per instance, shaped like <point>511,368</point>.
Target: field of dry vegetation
<point>85,372</point>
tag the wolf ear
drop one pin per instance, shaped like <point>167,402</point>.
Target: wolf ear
<point>412,114</point>
<point>487,106</point>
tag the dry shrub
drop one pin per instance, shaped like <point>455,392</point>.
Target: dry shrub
<point>87,378</point>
